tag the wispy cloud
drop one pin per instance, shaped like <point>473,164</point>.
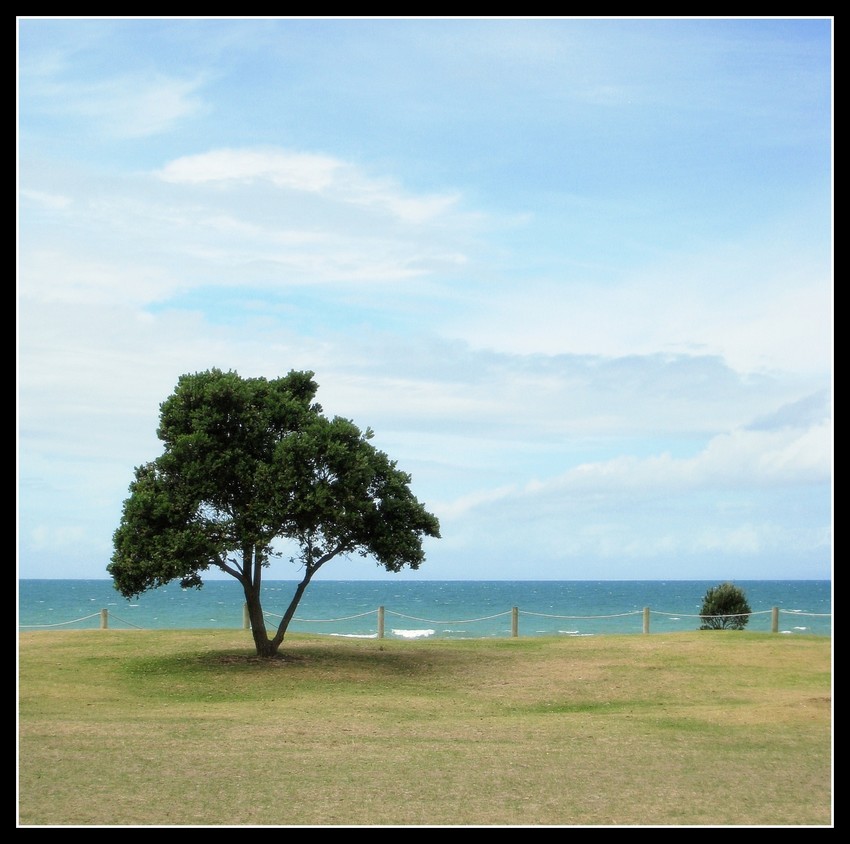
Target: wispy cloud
<point>738,460</point>
<point>51,201</point>
<point>310,173</point>
<point>128,106</point>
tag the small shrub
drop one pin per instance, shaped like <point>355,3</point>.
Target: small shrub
<point>724,607</point>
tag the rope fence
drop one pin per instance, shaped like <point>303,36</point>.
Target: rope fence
<point>105,617</point>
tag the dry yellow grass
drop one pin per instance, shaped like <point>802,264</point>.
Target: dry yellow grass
<point>185,728</point>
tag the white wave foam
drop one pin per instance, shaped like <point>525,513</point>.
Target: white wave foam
<point>356,635</point>
<point>413,634</point>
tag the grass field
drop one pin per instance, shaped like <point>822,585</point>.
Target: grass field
<point>188,728</point>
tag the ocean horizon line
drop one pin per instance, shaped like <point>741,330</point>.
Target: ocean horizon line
<point>228,578</point>
<point>453,608</point>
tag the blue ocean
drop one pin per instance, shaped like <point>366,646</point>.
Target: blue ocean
<point>446,609</point>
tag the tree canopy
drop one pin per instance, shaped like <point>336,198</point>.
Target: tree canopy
<point>246,463</point>
<point>725,607</point>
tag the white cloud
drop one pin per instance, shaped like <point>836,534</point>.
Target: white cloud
<point>765,311</point>
<point>51,201</point>
<point>152,108</point>
<point>265,222</point>
<point>124,106</point>
<point>289,170</point>
<point>740,459</point>
<point>309,173</point>
<point>59,278</point>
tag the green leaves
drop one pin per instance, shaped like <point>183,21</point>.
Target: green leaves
<point>345,496</point>
<point>725,607</point>
<point>249,460</point>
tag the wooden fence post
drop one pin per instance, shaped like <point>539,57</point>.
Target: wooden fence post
<point>515,622</point>
<point>104,619</point>
<point>246,618</point>
<point>646,619</point>
<point>380,622</point>
<point>774,620</point>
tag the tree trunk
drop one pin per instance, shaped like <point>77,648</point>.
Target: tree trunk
<point>269,647</point>
<point>258,622</point>
<point>290,610</point>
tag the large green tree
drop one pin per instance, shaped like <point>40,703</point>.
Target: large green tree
<point>248,464</point>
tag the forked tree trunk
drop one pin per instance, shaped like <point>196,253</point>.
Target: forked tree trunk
<point>252,578</point>
<point>267,647</point>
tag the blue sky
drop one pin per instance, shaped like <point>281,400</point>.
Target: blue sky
<point>576,274</point>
